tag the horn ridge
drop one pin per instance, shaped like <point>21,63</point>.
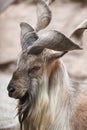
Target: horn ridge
<point>53,40</point>
<point>43,15</point>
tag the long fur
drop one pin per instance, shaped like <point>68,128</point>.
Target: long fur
<point>52,108</point>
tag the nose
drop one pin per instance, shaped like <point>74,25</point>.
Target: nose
<point>11,89</point>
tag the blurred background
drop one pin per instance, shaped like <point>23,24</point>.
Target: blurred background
<point>66,15</point>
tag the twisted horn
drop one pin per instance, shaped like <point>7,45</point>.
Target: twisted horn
<point>53,40</point>
<point>77,34</point>
<point>43,15</point>
<point>28,34</point>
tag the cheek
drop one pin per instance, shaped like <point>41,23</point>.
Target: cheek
<point>36,81</point>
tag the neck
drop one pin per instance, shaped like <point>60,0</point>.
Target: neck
<point>60,99</point>
<point>52,109</point>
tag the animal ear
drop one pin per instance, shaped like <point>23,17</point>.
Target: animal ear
<point>28,35</point>
<point>52,55</point>
<point>53,40</point>
<point>78,32</point>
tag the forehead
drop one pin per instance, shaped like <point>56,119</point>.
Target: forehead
<point>28,60</point>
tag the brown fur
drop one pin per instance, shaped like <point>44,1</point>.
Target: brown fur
<point>48,99</point>
<point>41,110</point>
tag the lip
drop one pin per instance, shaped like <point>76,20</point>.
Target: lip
<point>13,95</point>
<point>10,94</point>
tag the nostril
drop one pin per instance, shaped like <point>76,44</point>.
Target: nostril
<point>11,89</point>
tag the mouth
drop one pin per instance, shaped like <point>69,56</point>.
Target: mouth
<point>23,98</point>
<point>24,107</point>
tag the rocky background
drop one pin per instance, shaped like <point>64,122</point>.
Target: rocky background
<point>66,16</point>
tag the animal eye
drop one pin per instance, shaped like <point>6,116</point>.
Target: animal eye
<point>35,68</point>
